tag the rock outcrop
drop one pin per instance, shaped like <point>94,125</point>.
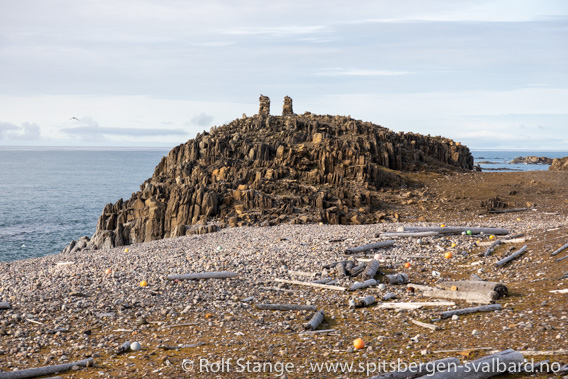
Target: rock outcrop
<point>287,107</point>
<point>531,159</point>
<point>264,107</point>
<point>559,164</point>
<point>264,170</point>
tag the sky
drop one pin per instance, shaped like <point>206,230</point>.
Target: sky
<point>490,74</point>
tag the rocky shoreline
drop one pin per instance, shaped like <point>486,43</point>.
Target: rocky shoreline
<point>72,306</point>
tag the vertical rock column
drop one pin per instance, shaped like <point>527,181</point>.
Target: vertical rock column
<point>264,108</point>
<point>287,108</point>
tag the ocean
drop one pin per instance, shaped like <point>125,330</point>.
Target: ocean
<point>498,160</point>
<point>50,196</point>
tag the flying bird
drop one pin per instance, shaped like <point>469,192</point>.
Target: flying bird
<point>74,118</point>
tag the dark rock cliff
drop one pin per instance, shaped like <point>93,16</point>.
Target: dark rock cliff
<point>262,170</point>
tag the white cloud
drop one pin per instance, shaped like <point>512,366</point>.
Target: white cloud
<point>26,131</point>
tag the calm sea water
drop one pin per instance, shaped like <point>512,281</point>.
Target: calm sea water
<point>50,196</point>
<point>498,160</point>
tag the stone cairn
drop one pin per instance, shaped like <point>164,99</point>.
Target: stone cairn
<point>264,108</point>
<point>287,108</point>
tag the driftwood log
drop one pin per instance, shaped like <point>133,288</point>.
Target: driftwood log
<point>397,278</point>
<point>364,302</point>
<point>376,245</point>
<point>425,325</point>
<point>410,306</point>
<point>469,296</point>
<point>476,285</point>
<point>370,270</point>
<point>508,259</point>
<point>4,305</point>
<point>340,270</point>
<point>422,369</point>
<point>357,269</point>
<point>485,367</point>
<point>465,311</point>
<point>308,284</point>
<point>332,265</point>
<point>46,370</point>
<point>408,234</point>
<point>315,321</point>
<point>513,240</point>
<point>204,275</point>
<point>559,250</point>
<point>456,230</point>
<point>388,296</point>
<point>286,307</point>
<point>365,284</point>
<point>492,247</point>
<point>323,280</point>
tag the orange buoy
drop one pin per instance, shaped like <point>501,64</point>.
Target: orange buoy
<point>358,344</point>
<point>108,271</point>
<point>407,265</point>
<point>448,255</point>
<point>143,283</point>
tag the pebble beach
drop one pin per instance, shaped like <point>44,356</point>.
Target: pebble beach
<point>68,307</point>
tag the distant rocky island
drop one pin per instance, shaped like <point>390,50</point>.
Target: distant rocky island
<point>531,159</point>
<point>266,169</point>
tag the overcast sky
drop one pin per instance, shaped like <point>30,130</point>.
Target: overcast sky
<point>490,74</point>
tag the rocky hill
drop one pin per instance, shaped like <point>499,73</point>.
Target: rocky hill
<point>264,169</point>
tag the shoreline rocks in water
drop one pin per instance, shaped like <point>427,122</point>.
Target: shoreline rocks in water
<point>559,164</point>
<point>267,170</point>
<point>531,159</point>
